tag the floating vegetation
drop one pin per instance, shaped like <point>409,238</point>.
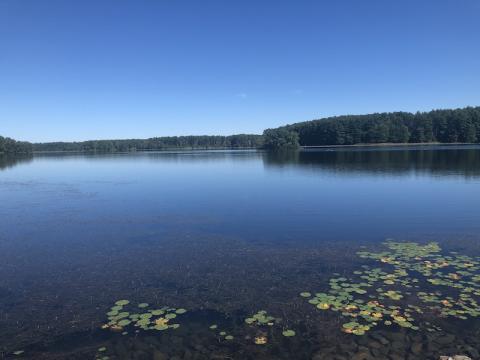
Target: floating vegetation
<point>288,333</point>
<point>261,318</point>
<point>222,333</point>
<point>372,296</point>
<point>156,319</point>
<point>101,354</point>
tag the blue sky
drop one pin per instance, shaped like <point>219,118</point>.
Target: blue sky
<point>95,69</point>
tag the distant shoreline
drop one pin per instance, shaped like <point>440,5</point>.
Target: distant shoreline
<point>142,150</point>
<point>302,147</point>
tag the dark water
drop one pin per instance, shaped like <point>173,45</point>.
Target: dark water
<point>222,234</point>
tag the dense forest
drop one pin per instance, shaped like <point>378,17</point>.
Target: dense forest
<point>158,143</point>
<point>442,126</point>
<point>437,126</point>
<point>10,146</point>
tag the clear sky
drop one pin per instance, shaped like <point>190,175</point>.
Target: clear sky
<point>95,69</point>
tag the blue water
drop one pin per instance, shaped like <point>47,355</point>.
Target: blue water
<point>96,220</point>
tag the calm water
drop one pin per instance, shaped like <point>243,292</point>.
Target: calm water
<point>222,234</point>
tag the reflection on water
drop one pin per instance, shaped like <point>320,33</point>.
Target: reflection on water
<point>436,160</point>
<point>7,161</point>
<point>225,235</point>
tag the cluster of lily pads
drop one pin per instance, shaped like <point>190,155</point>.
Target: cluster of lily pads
<point>144,318</point>
<point>372,296</point>
<point>261,318</point>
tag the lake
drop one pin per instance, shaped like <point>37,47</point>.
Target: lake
<point>347,253</point>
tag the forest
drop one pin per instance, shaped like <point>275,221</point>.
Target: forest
<point>437,126</point>
<point>10,146</point>
<point>157,143</point>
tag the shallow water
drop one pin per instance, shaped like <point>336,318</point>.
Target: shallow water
<point>224,234</point>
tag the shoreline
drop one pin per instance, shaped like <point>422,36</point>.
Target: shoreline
<point>301,147</point>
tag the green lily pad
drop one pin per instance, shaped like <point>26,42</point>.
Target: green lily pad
<point>288,333</point>
<point>161,327</point>
<point>124,322</point>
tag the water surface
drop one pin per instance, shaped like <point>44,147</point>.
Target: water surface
<point>222,234</point>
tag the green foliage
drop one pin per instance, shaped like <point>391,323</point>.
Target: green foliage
<point>288,333</point>
<point>280,139</point>
<point>443,126</point>
<point>157,319</point>
<point>10,146</point>
<point>451,284</point>
<point>157,143</point>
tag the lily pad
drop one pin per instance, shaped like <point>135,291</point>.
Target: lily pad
<point>288,333</point>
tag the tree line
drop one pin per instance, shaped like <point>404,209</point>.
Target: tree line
<point>437,126</point>
<point>442,126</point>
<point>157,143</point>
<point>10,146</point>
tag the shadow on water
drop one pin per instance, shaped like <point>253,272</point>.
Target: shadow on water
<point>462,160</point>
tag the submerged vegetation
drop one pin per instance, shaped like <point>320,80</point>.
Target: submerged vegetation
<point>371,296</point>
<point>408,285</point>
<point>411,286</point>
